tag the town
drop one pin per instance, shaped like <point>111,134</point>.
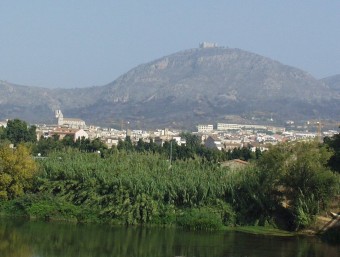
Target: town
<point>222,136</point>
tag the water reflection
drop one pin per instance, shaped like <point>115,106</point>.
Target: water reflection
<point>36,239</point>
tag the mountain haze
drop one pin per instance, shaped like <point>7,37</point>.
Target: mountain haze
<point>333,82</point>
<point>180,90</point>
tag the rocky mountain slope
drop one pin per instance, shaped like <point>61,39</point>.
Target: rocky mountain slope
<point>333,82</point>
<point>180,90</point>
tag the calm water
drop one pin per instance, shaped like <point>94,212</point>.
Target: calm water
<point>38,239</point>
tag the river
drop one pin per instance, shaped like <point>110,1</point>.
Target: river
<point>41,239</point>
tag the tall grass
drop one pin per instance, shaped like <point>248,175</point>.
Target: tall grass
<point>134,188</point>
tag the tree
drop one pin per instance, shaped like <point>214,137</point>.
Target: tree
<point>258,153</point>
<point>2,133</point>
<point>68,141</point>
<point>47,145</point>
<point>96,145</point>
<point>259,189</point>
<point>192,141</point>
<point>17,169</point>
<point>140,147</point>
<point>309,183</point>
<point>334,144</point>
<point>299,172</point>
<point>83,144</point>
<point>18,131</point>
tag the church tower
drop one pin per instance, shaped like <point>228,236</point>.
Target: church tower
<point>60,117</point>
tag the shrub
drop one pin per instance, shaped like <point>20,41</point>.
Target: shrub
<point>200,219</point>
<point>48,210</point>
<point>225,211</point>
<point>166,216</point>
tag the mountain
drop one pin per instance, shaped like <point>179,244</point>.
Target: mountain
<point>36,104</point>
<point>333,82</point>
<point>204,85</point>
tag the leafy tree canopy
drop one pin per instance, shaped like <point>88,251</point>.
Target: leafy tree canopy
<point>17,169</point>
<point>18,131</point>
<point>299,172</point>
<point>334,144</point>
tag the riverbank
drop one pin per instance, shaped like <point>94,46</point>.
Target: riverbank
<point>259,230</point>
<point>198,223</point>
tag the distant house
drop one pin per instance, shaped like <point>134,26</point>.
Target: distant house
<point>213,142</point>
<point>159,141</point>
<point>110,142</point>
<point>74,133</point>
<point>179,140</point>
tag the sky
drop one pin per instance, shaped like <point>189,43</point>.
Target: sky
<point>83,43</point>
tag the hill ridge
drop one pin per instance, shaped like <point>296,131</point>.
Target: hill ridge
<point>185,88</point>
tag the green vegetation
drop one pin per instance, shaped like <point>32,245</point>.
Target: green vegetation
<point>298,174</point>
<point>334,144</point>
<point>45,146</point>
<point>18,131</point>
<point>200,219</point>
<point>285,188</point>
<point>17,169</point>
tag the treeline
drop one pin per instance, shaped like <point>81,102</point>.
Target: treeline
<point>193,149</point>
<point>46,146</point>
<point>170,149</point>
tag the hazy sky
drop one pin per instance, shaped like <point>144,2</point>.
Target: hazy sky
<point>83,43</point>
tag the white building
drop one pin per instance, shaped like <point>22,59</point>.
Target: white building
<point>179,140</point>
<point>207,45</point>
<point>227,126</point>
<point>69,122</point>
<point>205,128</point>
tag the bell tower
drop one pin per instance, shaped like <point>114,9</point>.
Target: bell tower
<point>60,117</point>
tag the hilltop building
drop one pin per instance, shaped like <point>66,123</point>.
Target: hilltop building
<point>207,45</point>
